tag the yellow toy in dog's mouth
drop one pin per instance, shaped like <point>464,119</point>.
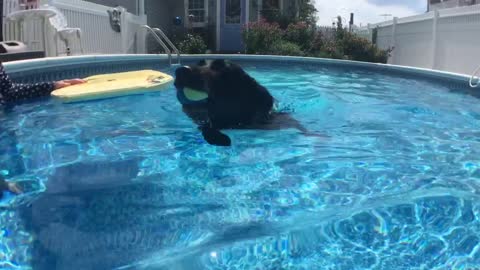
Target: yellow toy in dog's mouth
<point>194,95</point>
<point>189,96</point>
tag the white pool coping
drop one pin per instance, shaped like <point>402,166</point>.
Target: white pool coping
<point>29,65</point>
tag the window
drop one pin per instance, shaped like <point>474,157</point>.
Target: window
<point>197,12</point>
<point>233,11</point>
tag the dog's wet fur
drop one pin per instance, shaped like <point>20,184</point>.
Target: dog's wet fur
<point>235,101</point>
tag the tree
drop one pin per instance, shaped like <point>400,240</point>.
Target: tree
<point>307,12</point>
<point>340,30</point>
<point>295,11</point>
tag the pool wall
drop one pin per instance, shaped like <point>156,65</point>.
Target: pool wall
<point>95,64</point>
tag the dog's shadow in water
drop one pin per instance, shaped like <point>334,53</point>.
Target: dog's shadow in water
<point>94,216</point>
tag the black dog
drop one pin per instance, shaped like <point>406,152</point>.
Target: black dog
<point>235,100</point>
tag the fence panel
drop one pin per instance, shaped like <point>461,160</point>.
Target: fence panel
<point>458,43</point>
<point>447,40</point>
<point>98,37</point>
<point>384,37</point>
<point>413,44</point>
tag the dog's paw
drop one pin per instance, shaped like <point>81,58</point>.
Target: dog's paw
<point>215,137</point>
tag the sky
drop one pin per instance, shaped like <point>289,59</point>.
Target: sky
<point>367,11</point>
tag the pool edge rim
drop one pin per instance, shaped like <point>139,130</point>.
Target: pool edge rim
<point>31,64</point>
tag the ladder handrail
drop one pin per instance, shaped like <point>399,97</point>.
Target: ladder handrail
<point>174,49</point>
<point>159,40</point>
<point>473,77</point>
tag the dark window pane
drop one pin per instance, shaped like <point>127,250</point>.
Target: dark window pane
<point>233,11</point>
<point>197,9</point>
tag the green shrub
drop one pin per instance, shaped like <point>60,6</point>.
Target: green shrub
<point>356,48</point>
<point>317,44</point>
<point>192,44</point>
<point>286,48</point>
<point>306,13</point>
<point>381,56</point>
<point>361,49</point>
<point>301,34</point>
<point>299,39</point>
<point>259,37</point>
<point>275,16</point>
<point>330,49</point>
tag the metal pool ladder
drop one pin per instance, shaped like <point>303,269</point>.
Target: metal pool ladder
<point>155,32</point>
<point>472,78</point>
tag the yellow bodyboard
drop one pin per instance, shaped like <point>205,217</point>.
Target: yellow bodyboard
<point>114,85</point>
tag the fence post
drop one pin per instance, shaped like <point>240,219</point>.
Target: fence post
<point>393,40</point>
<point>141,8</point>
<point>369,31</point>
<point>124,30</point>
<point>435,39</point>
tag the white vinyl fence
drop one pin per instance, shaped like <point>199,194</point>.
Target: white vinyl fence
<point>328,32</point>
<point>11,31</point>
<point>98,37</point>
<point>447,39</point>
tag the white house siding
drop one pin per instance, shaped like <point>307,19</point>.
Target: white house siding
<point>130,5</point>
<point>451,4</point>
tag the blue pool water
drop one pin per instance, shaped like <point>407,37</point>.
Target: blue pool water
<point>392,182</point>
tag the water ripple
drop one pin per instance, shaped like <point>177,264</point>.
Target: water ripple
<point>387,177</point>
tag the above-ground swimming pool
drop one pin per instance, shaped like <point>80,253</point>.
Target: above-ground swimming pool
<point>393,181</point>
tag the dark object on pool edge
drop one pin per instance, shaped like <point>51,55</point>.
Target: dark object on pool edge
<point>234,100</point>
<point>15,50</point>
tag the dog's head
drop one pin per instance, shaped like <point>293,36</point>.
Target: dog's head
<point>203,75</point>
<point>195,77</point>
<point>233,96</point>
